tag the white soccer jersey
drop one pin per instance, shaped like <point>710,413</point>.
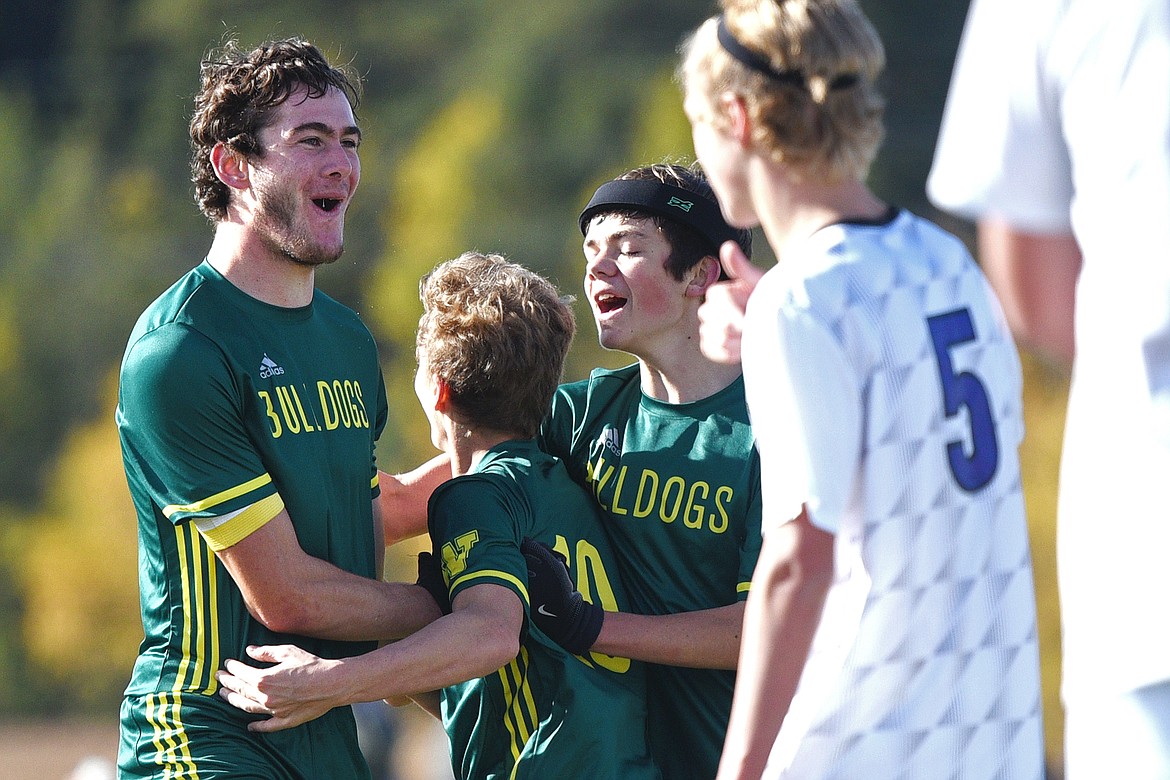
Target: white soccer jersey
<point>885,393</point>
<point>1059,118</point>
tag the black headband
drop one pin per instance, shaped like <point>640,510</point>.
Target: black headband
<point>662,200</point>
<point>756,61</point>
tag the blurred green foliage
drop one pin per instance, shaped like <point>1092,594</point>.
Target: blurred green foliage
<point>486,125</point>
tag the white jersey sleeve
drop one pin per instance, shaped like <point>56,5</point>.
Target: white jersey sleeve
<point>805,412</point>
<point>1000,149</point>
<point>1058,119</point>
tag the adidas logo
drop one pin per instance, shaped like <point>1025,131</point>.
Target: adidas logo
<point>269,368</point>
<point>679,203</point>
<point>612,441</point>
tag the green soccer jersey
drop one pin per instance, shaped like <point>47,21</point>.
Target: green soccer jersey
<point>230,409</point>
<point>679,488</point>
<point>547,713</point>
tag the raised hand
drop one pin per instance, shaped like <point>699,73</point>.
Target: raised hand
<point>721,315</point>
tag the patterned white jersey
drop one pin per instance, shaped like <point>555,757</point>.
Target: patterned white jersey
<point>885,392</point>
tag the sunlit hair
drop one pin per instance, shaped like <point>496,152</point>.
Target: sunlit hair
<point>828,133</point>
<point>238,93</point>
<point>497,335</point>
<point>687,245</point>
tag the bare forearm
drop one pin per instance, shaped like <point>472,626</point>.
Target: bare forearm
<point>706,639</point>
<point>433,658</point>
<point>298,686</point>
<point>1035,277</point>
<point>292,592</point>
<point>403,498</point>
<point>333,604</point>
<point>426,661</point>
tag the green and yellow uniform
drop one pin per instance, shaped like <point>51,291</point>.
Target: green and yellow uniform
<point>547,713</point>
<point>229,410</point>
<point>679,488</point>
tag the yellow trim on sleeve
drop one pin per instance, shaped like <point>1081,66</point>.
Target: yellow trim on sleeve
<point>503,575</point>
<point>374,481</point>
<point>244,524</point>
<point>218,498</point>
<point>743,587</point>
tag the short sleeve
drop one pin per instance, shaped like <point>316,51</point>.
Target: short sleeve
<point>558,427</point>
<point>805,406</point>
<point>476,525</point>
<point>1001,150</point>
<point>180,419</point>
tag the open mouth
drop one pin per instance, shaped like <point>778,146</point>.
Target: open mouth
<point>327,204</point>
<point>606,303</point>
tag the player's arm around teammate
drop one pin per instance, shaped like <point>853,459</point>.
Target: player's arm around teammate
<point>301,686</point>
<point>403,500</point>
<point>269,564</point>
<point>697,639</point>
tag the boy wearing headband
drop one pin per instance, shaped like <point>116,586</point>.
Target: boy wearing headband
<point>665,447</point>
<point>891,631</point>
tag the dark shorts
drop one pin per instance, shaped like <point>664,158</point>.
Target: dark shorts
<point>189,735</point>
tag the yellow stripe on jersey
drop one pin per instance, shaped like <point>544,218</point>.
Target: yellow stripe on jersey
<point>213,601</point>
<point>520,715</point>
<point>243,523</point>
<point>197,597</point>
<point>743,587</point>
<point>510,721</point>
<point>218,498</point>
<point>198,576</point>
<point>374,481</point>
<point>181,545</point>
<point>503,575</point>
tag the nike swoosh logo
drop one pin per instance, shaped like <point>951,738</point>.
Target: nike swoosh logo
<point>544,611</point>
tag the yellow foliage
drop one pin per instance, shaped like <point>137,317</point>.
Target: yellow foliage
<point>435,188</point>
<point>131,196</point>
<point>662,132</point>
<point>80,568</point>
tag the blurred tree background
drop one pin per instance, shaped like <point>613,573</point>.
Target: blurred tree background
<point>487,126</point>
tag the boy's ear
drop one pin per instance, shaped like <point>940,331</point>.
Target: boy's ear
<point>705,273</point>
<point>442,396</point>
<point>230,166</point>
<point>737,114</point>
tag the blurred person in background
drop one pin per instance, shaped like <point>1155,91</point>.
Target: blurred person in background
<point>1056,141</point>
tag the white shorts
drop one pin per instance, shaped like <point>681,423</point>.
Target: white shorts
<point>1126,735</point>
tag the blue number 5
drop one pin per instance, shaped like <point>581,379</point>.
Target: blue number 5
<point>965,389</point>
